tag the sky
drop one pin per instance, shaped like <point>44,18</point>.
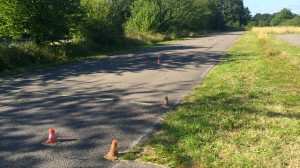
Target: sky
<point>272,6</point>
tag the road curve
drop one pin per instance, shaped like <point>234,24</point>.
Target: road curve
<point>90,103</point>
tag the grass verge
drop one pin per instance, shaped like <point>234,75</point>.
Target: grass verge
<point>19,58</point>
<point>246,113</point>
<point>22,58</point>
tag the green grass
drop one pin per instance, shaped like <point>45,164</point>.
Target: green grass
<point>246,113</point>
<point>132,154</point>
<point>22,58</point>
<point>19,58</point>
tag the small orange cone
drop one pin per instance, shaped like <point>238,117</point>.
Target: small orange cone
<point>166,102</point>
<point>52,137</point>
<point>158,61</point>
<point>113,152</point>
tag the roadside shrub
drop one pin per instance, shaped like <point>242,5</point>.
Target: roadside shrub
<point>25,54</point>
<point>102,27</point>
<point>41,20</point>
<point>291,22</point>
<point>148,20</point>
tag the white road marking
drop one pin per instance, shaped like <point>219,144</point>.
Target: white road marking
<point>105,99</point>
<point>146,133</point>
<point>141,103</point>
<point>40,92</point>
<point>206,71</point>
<point>134,143</point>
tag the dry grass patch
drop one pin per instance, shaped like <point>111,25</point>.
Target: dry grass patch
<point>276,30</point>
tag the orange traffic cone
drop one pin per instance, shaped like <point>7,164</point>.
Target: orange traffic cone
<point>166,102</point>
<point>158,61</point>
<point>52,137</point>
<point>113,152</point>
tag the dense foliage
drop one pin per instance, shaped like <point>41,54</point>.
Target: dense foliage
<point>106,21</point>
<point>177,16</point>
<point>283,18</point>
<point>60,30</point>
<point>102,23</point>
<point>42,20</point>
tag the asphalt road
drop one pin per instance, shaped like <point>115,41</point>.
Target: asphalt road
<point>291,38</point>
<point>93,102</point>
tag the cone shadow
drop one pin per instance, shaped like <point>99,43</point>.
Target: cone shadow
<point>67,140</point>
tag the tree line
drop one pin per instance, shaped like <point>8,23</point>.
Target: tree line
<point>107,22</point>
<point>62,30</point>
<point>282,18</point>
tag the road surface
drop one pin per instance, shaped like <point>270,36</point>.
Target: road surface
<point>90,103</point>
<point>291,38</point>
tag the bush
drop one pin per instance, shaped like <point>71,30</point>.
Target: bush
<point>148,19</point>
<point>42,20</point>
<point>291,22</point>
<point>14,55</point>
<point>234,26</point>
<point>102,27</point>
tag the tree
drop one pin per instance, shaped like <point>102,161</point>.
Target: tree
<point>217,20</point>
<point>103,24</point>
<point>263,19</point>
<point>148,16</point>
<point>206,16</point>
<point>183,14</point>
<point>42,20</point>
<point>235,12</point>
<point>281,16</point>
<point>292,22</point>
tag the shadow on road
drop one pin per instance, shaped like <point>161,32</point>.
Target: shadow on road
<point>92,112</point>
